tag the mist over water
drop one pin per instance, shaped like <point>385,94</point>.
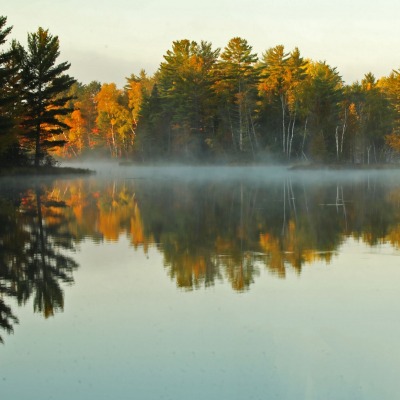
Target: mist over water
<point>261,173</point>
<point>201,282</point>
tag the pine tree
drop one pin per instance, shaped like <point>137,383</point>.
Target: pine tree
<point>281,86</point>
<point>237,77</point>
<point>323,98</point>
<point>185,87</point>
<point>9,80</point>
<point>44,93</point>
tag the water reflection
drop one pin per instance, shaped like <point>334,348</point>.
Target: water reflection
<point>32,236</point>
<point>207,230</point>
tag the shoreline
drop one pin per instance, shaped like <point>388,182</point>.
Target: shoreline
<point>44,171</point>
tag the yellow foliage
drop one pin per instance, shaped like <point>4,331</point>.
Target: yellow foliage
<point>393,141</point>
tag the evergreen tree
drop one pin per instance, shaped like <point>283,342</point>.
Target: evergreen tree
<point>237,77</point>
<point>281,89</point>
<point>377,119</point>
<point>44,93</point>
<point>391,86</point>
<point>154,138</point>
<point>323,96</point>
<point>185,86</point>
<point>9,81</point>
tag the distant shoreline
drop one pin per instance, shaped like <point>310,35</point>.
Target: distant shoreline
<point>43,171</point>
<point>351,167</point>
<point>49,171</point>
<point>299,166</point>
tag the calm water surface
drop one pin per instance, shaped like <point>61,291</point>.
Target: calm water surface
<point>201,283</point>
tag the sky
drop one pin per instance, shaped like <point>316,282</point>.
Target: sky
<point>108,40</point>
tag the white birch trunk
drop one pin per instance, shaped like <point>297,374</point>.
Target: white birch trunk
<point>283,124</point>
<point>292,134</point>
<point>343,130</point>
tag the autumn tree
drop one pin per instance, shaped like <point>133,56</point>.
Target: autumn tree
<point>236,89</point>
<point>348,136</point>
<point>76,133</point>
<point>323,96</point>
<point>114,121</point>
<point>44,94</point>
<point>82,134</point>
<point>281,90</point>
<point>376,121</point>
<point>391,88</point>
<point>138,88</point>
<point>185,87</point>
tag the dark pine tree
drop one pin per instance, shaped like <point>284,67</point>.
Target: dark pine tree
<point>9,147</point>
<point>45,95</point>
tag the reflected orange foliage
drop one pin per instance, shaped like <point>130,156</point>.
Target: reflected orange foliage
<point>272,247</point>
<point>137,231</point>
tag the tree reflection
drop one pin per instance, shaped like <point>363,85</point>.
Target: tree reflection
<point>7,319</point>
<point>229,231</point>
<point>212,231</point>
<point>207,231</point>
<point>32,238</point>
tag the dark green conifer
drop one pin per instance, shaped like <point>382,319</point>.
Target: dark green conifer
<point>45,87</point>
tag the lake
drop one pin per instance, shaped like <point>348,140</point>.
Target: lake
<point>200,283</point>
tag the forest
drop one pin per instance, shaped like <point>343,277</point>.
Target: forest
<point>202,105</point>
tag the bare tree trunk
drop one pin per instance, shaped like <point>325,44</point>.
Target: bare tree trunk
<point>304,136</point>
<point>248,134</point>
<point>232,131</point>
<point>283,124</point>
<point>292,134</point>
<point>72,149</point>
<point>114,148</point>
<point>337,142</point>
<point>288,135</point>
<point>37,145</point>
<point>240,119</point>
<point>254,131</point>
<point>249,123</point>
<point>343,130</point>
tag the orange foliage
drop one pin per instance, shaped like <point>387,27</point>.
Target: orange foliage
<point>393,141</point>
<point>272,247</point>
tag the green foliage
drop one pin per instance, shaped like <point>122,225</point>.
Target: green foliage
<point>184,86</point>
<point>33,236</point>
<point>202,104</point>
<point>10,152</point>
<point>391,88</point>
<point>44,93</point>
<point>323,96</point>
<point>236,83</point>
<point>282,98</point>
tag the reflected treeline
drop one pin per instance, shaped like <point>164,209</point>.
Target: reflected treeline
<point>214,231</point>
<point>33,235</point>
<point>210,231</point>
<point>207,231</point>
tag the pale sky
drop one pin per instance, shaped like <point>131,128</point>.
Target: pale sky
<point>109,40</point>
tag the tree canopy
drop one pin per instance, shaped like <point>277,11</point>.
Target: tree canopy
<point>202,104</point>
<point>44,87</point>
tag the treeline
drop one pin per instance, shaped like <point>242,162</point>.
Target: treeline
<point>205,105</point>
<point>33,98</point>
<point>281,226</point>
